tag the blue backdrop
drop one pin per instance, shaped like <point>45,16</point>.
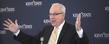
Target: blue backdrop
<point>32,15</point>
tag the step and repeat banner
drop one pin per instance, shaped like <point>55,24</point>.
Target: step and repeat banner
<point>32,16</point>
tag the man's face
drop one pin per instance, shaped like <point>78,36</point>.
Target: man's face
<point>56,15</point>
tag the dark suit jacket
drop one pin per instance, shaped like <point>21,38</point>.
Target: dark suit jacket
<point>68,35</point>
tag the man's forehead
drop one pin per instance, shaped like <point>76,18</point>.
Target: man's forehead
<point>55,8</point>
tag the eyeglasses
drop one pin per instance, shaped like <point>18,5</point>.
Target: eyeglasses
<point>55,13</point>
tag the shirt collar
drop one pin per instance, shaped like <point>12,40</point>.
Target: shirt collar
<point>60,26</point>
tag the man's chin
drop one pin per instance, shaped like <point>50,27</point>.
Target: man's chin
<point>53,24</point>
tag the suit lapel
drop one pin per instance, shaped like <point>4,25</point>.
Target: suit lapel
<point>62,33</point>
<point>47,35</point>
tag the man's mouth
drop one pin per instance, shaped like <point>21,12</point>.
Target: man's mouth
<point>53,21</point>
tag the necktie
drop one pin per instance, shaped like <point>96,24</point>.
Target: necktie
<point>53,36</point>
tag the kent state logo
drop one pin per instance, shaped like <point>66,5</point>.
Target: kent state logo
<point>34,3</point>
<point>7,9</point>
<point>83,14</point>
<point>106,8</point>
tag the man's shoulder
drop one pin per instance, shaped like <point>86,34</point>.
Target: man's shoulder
<point>69,27</point>
<point>67,24</point>
<point>47,27</point>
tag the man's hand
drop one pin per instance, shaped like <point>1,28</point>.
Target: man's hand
<point>78,22</point>
<point>11,26</point>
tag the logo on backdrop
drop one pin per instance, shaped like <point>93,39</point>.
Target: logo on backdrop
<point>2,32</point>
<point>7,9</point>
<point>34,3</point>
<point>101,35</point>
<point>46,21</point>
<point>106,8</point>
<point>83,14</point>
<point>25,26</point>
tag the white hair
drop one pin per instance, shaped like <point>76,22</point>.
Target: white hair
<point>63,8</point>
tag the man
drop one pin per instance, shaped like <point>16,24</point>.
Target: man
<point>59,32</point>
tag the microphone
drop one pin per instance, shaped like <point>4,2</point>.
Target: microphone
<point>42,39</point>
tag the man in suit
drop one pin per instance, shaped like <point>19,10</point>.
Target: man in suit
<point>59,32</point>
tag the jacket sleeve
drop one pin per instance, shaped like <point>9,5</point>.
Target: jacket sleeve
<point>83,40</point>
<point>26,39</point>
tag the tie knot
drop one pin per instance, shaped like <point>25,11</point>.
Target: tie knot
<point>56,29</point>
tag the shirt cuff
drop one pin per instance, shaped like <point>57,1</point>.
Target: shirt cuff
<point>80,33</point>
<point>16,34</point>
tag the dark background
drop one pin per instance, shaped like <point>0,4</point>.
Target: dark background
<point>97,24</point>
